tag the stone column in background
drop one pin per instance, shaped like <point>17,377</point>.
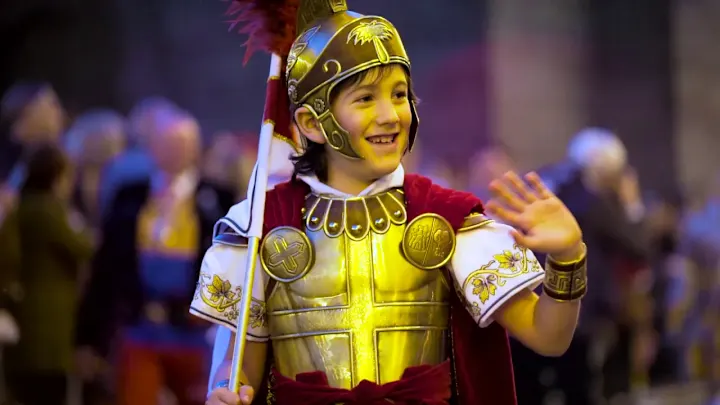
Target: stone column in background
<point>697,93</point>
<point>536,58</point>
<point>630,79</point>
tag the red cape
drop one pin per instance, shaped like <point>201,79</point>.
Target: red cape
<point>482,364</point>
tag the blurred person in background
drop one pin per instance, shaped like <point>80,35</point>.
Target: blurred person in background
<point>247,158</point>
<point>145,271</point>
<point>604,194</point>
<point>440,172</point>
<point>54,246</point>
<point>229,160</point>
<point>94,140</point>
<point>663,222</point>
<point>435,168</point>
<point>487,164</point>
<point>135,163</point>
<point>699,327</point>
<point>30,113</point>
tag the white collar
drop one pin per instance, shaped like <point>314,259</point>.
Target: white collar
<point>181,187</point>
<point>387,182</point>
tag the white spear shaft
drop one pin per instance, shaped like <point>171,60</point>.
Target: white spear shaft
<point>257,203</point>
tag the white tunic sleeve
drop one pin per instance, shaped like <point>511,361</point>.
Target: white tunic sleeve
<point>220,288</point>
<point>489,268</point>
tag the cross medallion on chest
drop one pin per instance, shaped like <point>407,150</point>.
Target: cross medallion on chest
<point>285,254</point>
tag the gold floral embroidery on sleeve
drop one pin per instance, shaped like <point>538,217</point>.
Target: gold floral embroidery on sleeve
<point>221,296</point>
<point>505,265</point>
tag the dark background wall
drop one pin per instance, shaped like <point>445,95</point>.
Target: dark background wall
<point>114,52</point>
<point>631,81</point>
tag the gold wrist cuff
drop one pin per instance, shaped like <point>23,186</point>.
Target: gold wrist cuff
<point>565,281</point>
<point>572,262</point>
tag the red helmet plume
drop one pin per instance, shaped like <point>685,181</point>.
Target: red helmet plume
<point>269,24</point>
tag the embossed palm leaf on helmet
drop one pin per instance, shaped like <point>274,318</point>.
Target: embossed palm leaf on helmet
<point>376,32</point>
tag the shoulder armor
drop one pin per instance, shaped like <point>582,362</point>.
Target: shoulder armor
<point>474,221</point>
<point>231,238</point>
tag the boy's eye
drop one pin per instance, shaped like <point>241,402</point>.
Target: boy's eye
<point>401,94</point>
<point>364,99</point>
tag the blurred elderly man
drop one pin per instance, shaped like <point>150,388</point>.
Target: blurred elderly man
<point>145,271</point>
<point>604,195</point>
<point>136,163</point>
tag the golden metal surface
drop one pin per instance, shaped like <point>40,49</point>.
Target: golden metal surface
<point>429,242</point>
<point>362,311</point>
<point>355,217</point>
<point>286,254</point>
<point>566,281</point>
<point>474,221</point>
<point>311,11</point>
<point>565,285</point>
<point>335,44</point>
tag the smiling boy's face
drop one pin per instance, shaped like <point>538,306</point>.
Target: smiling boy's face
<point>375,111</point>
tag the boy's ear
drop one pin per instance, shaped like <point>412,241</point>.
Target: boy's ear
<point>308,125</point>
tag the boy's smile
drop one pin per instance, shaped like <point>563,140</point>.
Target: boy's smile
<point>384,143</point>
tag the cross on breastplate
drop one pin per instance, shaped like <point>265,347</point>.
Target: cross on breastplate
<point>361,317</point>
<point>285,254</point>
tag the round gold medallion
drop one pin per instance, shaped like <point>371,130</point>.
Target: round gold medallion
<point>428,242</point>
<point>286,254</point>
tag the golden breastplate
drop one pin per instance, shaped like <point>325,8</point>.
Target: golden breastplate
<point>359,310</point>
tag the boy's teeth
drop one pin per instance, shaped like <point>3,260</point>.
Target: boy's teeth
<point>381,139</point>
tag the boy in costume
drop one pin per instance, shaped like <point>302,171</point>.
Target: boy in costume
<point>376,286</point>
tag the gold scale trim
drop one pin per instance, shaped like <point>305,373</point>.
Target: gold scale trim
<point>355,216</point>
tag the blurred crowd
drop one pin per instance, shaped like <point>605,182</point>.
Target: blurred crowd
<point>104,218</point>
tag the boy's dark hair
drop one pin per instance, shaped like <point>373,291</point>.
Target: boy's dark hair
<point>314,159</point>
<point>44,165</point>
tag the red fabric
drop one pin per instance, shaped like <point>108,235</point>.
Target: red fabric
<point>145,369</point>
<point>269,24</point>
<point>284,204</point>
<point>482,361</point>
<point>277,108</point>
<point>422,385</point>
<point>422,196</point>
<point>626,270</point>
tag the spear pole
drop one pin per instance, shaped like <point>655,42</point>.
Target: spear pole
<point>256,197</point>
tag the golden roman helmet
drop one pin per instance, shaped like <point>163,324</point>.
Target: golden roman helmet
<point>333,44</point>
